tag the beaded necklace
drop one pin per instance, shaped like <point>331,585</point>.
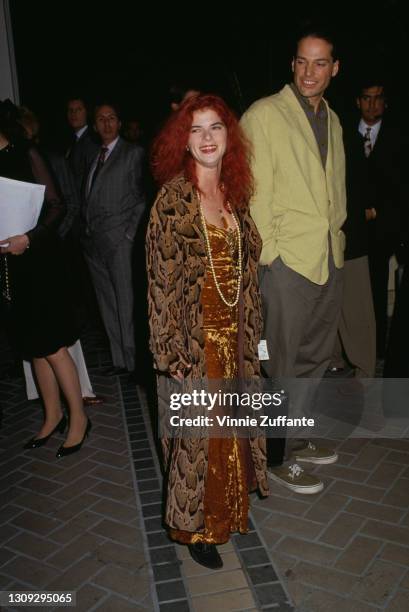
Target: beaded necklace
<point>6,288</point>
<point>209,255</point>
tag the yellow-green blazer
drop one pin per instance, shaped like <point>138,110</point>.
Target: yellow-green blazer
<point>296,202</point>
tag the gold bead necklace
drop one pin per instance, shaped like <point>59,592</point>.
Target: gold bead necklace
<point>209,254</point>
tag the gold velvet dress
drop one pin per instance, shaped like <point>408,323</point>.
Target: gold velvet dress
<point>230,471</point>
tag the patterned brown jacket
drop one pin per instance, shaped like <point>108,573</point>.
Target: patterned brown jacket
<point>176,267</point>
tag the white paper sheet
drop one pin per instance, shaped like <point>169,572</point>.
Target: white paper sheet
<point>20,206</point>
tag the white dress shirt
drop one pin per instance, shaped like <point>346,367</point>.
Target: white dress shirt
<point>373,134</point>
<point>80,132</point>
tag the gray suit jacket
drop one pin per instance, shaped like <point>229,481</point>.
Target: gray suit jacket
<point>116,202</point>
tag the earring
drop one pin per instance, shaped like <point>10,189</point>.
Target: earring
<point>187,148</point>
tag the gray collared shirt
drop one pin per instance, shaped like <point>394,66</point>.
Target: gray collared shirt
<point>318,122</point>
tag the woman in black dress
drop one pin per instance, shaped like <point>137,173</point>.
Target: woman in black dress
<point>35,294</point>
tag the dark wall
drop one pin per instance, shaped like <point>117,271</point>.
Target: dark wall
<point>105,50</point>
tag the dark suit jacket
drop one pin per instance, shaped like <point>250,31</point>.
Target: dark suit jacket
<point>359,194</point>
<point>389,185</point>
<point>113,208</point>
<point>81,155</point>
<point>66,183</point>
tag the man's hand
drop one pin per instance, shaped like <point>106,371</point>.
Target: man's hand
<point>16,245</point>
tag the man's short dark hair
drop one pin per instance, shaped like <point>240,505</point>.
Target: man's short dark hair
<point>80,97</point>
<point>372,80</point>
<point>113,105</point>
<point>317,31</point>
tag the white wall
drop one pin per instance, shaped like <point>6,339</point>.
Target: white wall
<point>8,72</point>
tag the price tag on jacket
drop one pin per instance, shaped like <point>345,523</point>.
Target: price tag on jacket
<point>263,351</point>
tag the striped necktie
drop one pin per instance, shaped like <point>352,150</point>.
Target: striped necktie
<point>367,142</point>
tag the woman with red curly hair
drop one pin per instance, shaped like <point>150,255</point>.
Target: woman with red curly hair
<point>204,313</point>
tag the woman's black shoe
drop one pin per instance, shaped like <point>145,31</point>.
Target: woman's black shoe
<point>63,451</point>
<point>37,442</point>
<point>206,554</point>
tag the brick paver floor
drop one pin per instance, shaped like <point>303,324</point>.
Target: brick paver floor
<point>72,523</point>
<point>75,523</point>
<point>347,548</point>
<point>92,522</point>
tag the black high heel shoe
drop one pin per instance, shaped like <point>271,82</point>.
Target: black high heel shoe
<point>63,451</point>
<point>206,555</point>
<point>37,442</point>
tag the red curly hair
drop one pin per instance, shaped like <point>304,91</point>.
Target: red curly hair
<point>170,158</point>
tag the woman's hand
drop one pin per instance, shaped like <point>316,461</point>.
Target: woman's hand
<point>179,375</point>
<point>16,245</point>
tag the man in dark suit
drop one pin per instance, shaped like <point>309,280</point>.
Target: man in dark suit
<point>84,146</point>
<point>112,209</point>
<point>382,146</point>
<point>81,151</point>
<point>356,337</point>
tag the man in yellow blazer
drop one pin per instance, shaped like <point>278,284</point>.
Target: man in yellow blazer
<point>299,207</point>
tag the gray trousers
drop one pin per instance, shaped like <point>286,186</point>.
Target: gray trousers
<point>357,326</point>
<point>300,325</point>
<point>111,273</point>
